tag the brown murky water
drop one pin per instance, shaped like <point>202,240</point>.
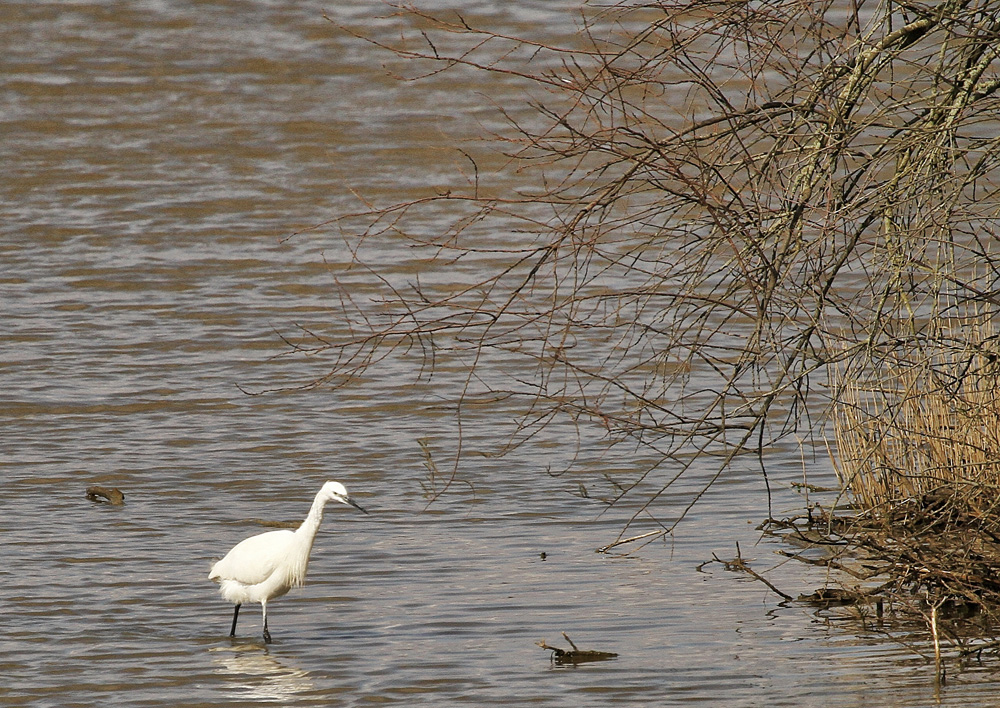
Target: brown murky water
<point>154,156</point>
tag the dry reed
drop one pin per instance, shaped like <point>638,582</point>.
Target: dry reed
<point>927,428</point>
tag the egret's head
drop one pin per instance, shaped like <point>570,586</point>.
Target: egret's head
<point>335,491</point>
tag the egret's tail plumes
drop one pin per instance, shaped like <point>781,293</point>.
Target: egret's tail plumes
<point>236,592</point>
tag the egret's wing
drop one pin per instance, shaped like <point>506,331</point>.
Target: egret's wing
<point>254,559</point>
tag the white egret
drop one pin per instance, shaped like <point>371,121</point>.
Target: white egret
<point>268,565</point>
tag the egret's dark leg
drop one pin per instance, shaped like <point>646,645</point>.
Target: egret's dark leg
<point>236,614</point>
<point>267,635</point>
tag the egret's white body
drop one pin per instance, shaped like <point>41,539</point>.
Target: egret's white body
<point>270,564</point>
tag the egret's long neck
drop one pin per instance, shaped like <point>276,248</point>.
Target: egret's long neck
<point>311,524</point>
<point>298,558</point>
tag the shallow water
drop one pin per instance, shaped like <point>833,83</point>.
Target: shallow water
<point>156,155</point>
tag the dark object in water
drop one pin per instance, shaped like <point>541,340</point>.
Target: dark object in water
<point>825,598</point>
<point>276,524</point>
<point>575,656</point>
<point>834,597</point>
<point>111,495</point>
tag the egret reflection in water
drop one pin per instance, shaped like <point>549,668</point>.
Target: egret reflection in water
<point>255,674</point>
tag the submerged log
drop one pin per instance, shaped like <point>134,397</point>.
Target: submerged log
<point>111,495</point>
<point>276,524</point>
<point>836,597</point>
<point>575,655</point>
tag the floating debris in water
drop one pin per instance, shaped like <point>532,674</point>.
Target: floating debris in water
<point>834,597</point>
<point>575,655</point>
<point>111,495</point>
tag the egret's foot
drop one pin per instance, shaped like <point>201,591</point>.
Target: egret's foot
<point>267,636</point>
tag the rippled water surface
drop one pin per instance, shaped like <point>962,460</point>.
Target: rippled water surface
<point>155,156</point>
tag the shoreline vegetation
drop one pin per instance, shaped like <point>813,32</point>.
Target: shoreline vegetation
<point>912,537</point>
<point>918,457</point>
<point>740,225</point>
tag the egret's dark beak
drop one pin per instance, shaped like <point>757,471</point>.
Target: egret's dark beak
<point>354,504</point>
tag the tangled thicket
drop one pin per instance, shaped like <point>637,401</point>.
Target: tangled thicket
<point>723,203</point>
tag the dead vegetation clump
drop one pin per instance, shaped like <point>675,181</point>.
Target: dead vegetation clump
<point>918,450</point>
<point>918,527</point>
